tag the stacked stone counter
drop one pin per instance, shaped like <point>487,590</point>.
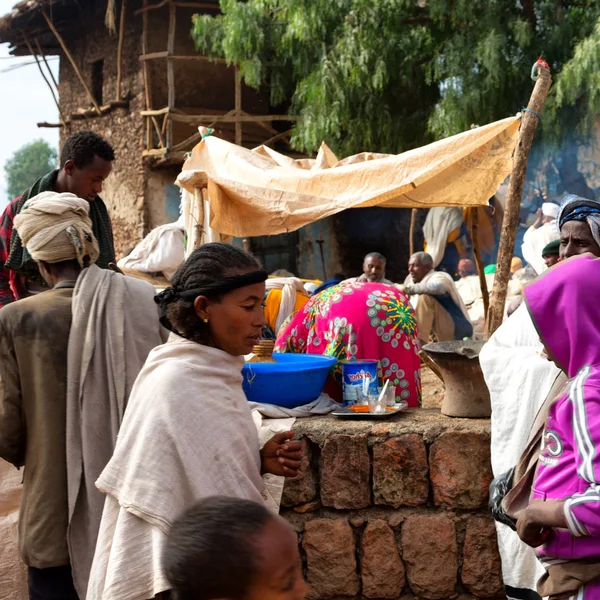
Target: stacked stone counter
<point>395,508</point>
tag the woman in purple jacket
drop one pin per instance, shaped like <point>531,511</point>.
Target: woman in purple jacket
<point>563,517</point>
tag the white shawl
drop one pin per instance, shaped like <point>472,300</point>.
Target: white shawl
<point>441,221</point>
<point>115,325</point>
<point>187,434</point>
<point>519,379</point>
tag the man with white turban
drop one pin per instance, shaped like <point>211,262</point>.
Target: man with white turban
<point>68,357</point>
<point>539,235</point>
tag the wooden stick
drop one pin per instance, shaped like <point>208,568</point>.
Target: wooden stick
<point>50,125</point>
<point>238,107</point>
<point>479,261</point>
<point>171,71</point>
<point>146,75</point>
<point>279,136</point>
<point>411,235</point>
<point>120,48</point>
<point>39,65</point>
<point>43,55</point>
<point>71,60</point>
<point>529,122</point>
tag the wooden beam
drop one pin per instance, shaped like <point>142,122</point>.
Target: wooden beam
<point>71,60</point>
<point>150,7</point>
<point>231,118</point>
<point>154,113</point>
<point>238,106</point>
<point>50,125</point>
<point>479,261</point>
<point>171,70</point>
<point>120,48</point>
<point>39,65</point>
<point>154,152</point>
<point>165,54</point>
<point>529,122</point>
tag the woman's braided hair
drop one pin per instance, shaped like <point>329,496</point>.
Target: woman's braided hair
<point>207,264</point>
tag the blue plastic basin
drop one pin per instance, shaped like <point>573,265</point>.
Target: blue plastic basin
<point>294,380</point>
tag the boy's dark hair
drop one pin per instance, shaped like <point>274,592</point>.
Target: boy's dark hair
<point>210,550</point>
<point>207,264</point>
<point>82,146</point>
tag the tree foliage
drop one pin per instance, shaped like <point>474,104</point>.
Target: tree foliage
<point>27,165</point>
<point>388,75</point>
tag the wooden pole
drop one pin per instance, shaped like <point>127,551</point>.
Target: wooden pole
<point>238,107</point>
<point>72,61</point>
<point>529,122</point>
<point>120,48</point>
<point>479,261</point>
<point>37,62</point>
<point>42,54</point>
<point>171,72</point>
<point>411,236</point>
<point>146,75</point>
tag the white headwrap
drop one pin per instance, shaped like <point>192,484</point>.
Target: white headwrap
<point>549,209</point>
<point>56,228</point>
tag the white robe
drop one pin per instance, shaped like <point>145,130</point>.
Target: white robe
<point>441,221</point>
<point>519,378</point>
<point>534,242</point>
<point>187,434</point>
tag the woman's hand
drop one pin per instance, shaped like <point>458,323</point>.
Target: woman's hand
<point>536,522</point>
<point>280,456</point>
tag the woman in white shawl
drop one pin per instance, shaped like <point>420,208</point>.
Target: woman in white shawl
<point>187,432</point>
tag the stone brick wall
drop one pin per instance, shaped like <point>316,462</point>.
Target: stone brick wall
<point>396,508</point>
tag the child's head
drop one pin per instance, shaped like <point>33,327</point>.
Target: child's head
<point>230,549</point>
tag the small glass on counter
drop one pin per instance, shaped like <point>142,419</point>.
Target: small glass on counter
<point>377,403</point>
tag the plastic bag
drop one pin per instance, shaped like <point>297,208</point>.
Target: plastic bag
<point>498,489</point>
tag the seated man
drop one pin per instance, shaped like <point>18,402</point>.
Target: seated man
<point>551,253</point>
<point>440,309</point>
<point>373,269</point>
<point>466,268</point>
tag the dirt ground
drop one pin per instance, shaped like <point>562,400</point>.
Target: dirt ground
<point>433,388</point>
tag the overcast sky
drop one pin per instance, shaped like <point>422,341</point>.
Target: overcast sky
<point>25,100</point>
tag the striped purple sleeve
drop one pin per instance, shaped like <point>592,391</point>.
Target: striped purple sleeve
<point>582,511</point>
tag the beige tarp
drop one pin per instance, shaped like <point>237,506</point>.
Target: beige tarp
<point>261,192</point>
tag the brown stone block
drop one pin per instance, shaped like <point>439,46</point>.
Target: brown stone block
<point>481,570</point>
<point>430,554</point>
<point>331,558</point>
<point>400,471</point>
<point>461,471</point>
<point>302,488</point>
<point>382,570</point>
<point>345,472</point>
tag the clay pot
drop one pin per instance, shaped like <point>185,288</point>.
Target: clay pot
<point>466,394</point>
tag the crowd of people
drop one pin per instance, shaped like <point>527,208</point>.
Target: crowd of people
<point>138,485</point>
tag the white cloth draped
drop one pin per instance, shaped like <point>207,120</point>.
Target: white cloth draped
<point>108,345</point>
<point>519,378</point>
<point>187,434</point>
<point>534,242</point>
<point>440,222</point>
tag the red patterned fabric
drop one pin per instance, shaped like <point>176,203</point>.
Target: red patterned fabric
<point>12,285</point>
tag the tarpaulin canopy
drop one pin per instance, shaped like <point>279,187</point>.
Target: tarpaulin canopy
<point>262,192</point>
